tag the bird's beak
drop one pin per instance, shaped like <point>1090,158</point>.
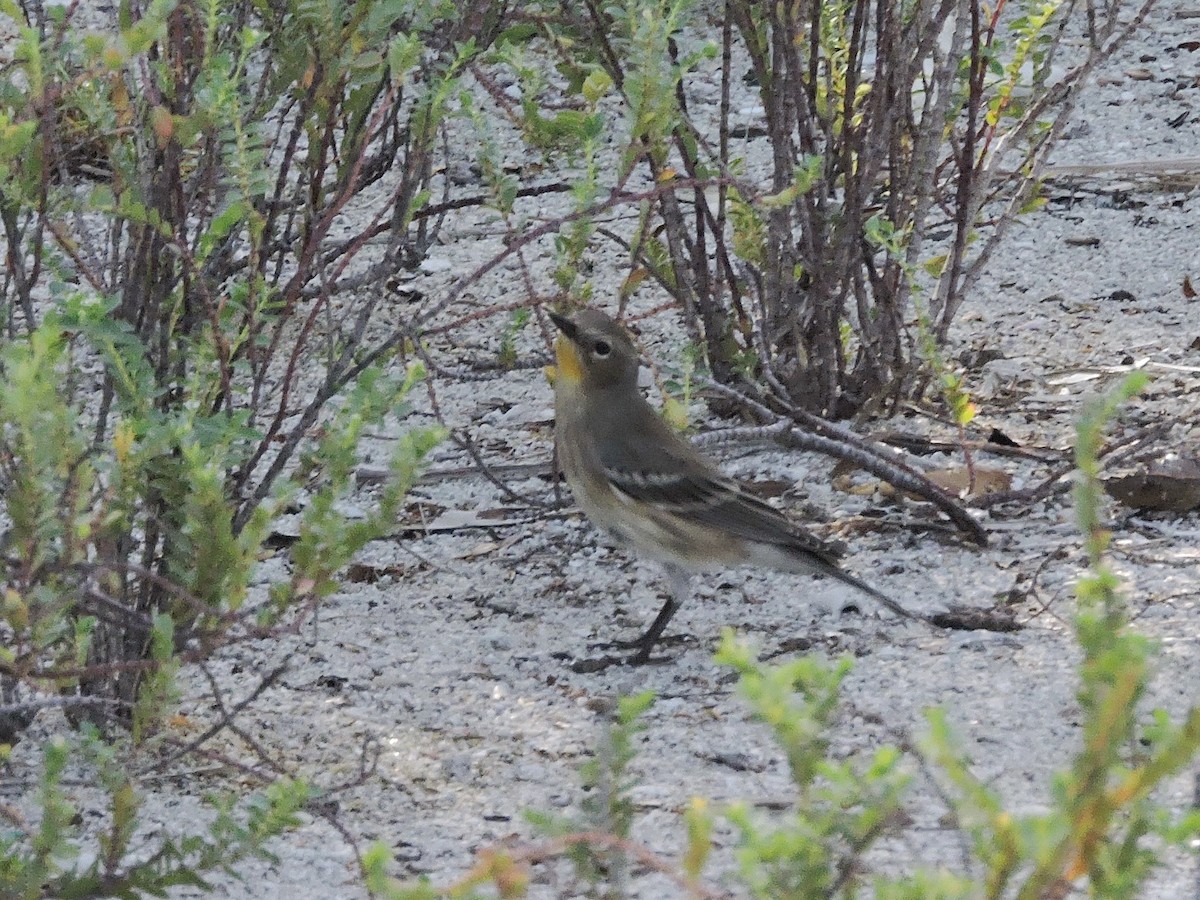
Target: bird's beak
<point>565,325</point>
<point>569,370</point>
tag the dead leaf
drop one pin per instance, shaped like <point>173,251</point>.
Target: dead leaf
<point>842,479</point>
<point>955,481</point>
<point>632,281</point>
<point>487,547</point>
<point>1171,485</point>
<point>1000,439</point>
<point>1188,290</point>
<point>361,573</point>
<point>958,481</point>
<point>480,550</point>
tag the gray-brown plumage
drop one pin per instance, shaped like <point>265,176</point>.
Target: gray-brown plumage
<point>638,480</point>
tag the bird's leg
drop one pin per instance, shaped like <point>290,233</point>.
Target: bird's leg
<point>679,586</point>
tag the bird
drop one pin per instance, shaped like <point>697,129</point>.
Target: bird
<point>635,478</point>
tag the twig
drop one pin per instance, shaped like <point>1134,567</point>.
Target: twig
<point>556,847</point>
<point>810,432</point>
<point>226,715</point>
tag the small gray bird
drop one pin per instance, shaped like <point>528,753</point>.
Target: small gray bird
<point>648,488</point>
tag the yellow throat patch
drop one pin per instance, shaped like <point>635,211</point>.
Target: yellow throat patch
<point>570,365</point>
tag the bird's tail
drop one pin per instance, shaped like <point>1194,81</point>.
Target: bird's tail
<point>806,560</point>
<point>884,599</point>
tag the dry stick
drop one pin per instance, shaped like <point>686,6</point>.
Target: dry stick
<point>716,224</point>
<point>483,468</point>
<point>175,591</point>
<point>290,294</point>
<point>1115,453</point>
<point>455,374</point>
<point>1044,606</point>
<point>783,117</point>
<point>637,257</point>
<point>226,716</point>
<point>841,443</point>
<point>617,197</point>
<point>769,433</point>
<point>972,183</point>
<point>68,246</point>
<point>130,619</point>
<point>893,472</point>
<point>224,761</point>
<point>481,314</point>
<point>1149,168</point>
<point>194,275</point>
<point>904,742</point>
<point>915,443</point>
<point>97,670</point>
<point>264,755</point>
<point>1051,485</point>
<point>308,417</point>
<point>1060,92</point>
<point>204,644</point>
<point>321,809</point>
<point>325,810</point>
<point>927,141</point>
<point>26,706</point>
<point>463,440</point>
<point>558,846</point>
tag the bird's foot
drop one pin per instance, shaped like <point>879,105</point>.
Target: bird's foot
<point>591,664</point>
<point>643,653</point>
<point>641,646</point>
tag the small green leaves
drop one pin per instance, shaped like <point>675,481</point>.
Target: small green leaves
<point>842,807</point>
<point>596,85</point>
<point>517,320</point>
<point>15,138</point>
<point>1089,435</point>
<point>404,53</point>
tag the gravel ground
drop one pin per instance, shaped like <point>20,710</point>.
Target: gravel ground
<point>455,657</point>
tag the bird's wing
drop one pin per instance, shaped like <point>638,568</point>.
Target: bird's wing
<point>663,470</point>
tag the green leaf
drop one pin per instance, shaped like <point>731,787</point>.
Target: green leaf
<point>222,224</point>
<point>403,54</point>
<point>937,265</point>
<point>596,85</point>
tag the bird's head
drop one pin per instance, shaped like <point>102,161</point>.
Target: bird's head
<point>593,351</point>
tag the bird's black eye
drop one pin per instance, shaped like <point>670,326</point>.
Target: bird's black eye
<point>602,348</point>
